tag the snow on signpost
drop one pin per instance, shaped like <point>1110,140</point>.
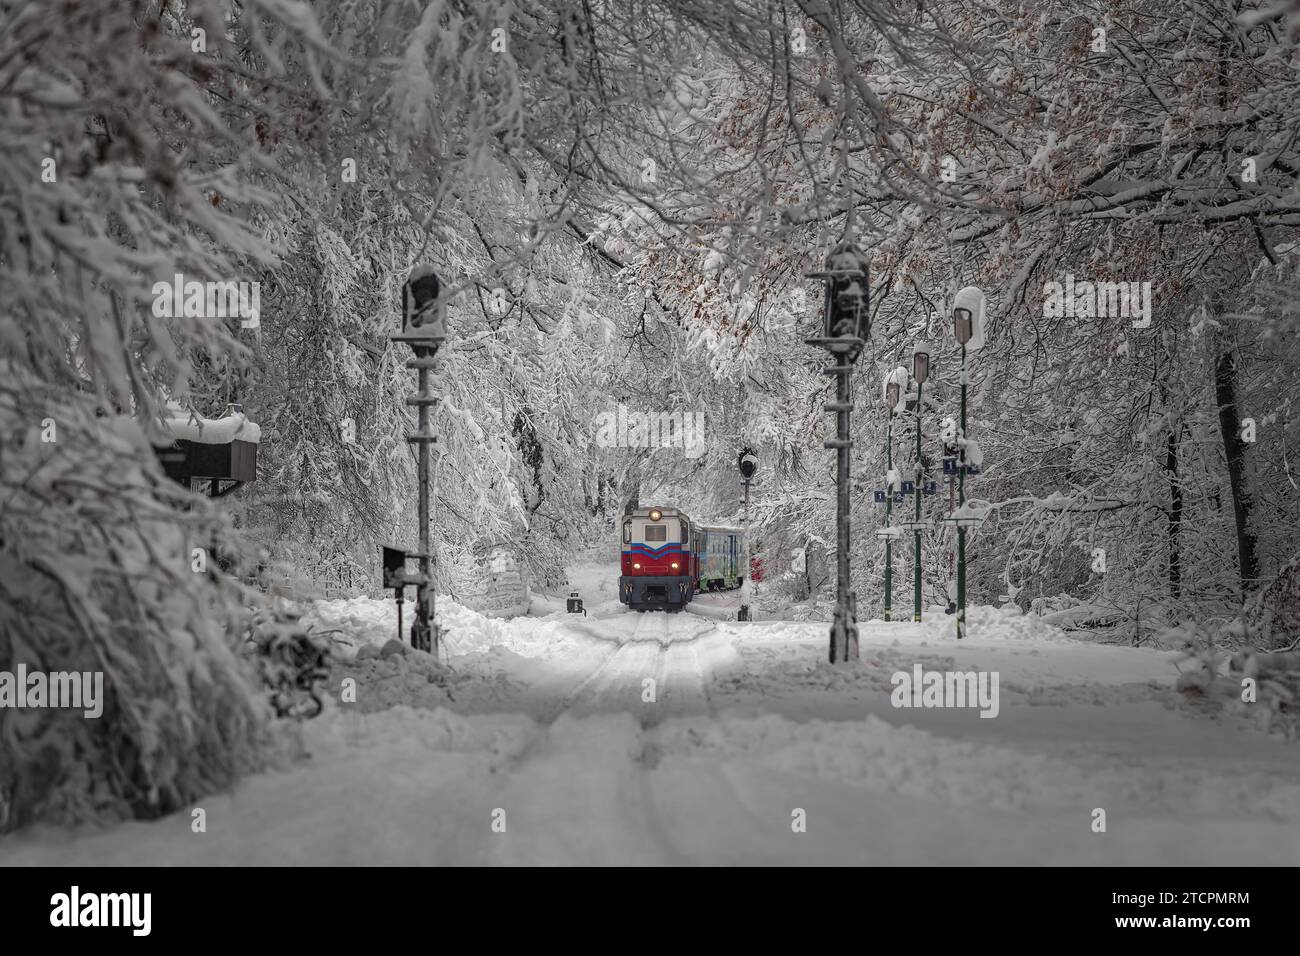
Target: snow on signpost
<point>215,449</point>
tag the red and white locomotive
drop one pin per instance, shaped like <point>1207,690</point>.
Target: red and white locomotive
<point>667,558</point>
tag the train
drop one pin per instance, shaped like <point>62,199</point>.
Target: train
<point>667,559</point>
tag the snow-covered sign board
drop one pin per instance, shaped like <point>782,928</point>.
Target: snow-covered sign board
<point>499,586</point>
<point>214,448</point>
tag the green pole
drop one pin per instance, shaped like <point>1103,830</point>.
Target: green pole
<point>961,497</point>
<point>916,597</point>
<point>889,511</point>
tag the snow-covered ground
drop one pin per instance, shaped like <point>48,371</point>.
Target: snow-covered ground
<point>652,738</point>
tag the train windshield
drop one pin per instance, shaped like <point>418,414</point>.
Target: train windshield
<point>663,531</point>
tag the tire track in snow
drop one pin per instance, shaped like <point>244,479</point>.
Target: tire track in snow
<point>580,790</point>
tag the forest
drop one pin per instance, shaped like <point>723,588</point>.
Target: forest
<point>624,199</point>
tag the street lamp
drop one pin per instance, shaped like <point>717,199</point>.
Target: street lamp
<point>748,464</point>
<point>921,363</point>
<point>846,323</point>
<point>920,372</point>
<point>424,328</point>
<point>891,402</point>
<point>968,328</point>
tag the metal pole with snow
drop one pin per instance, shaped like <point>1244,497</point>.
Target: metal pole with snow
<point>424,328</point>
<point>845,327</point>
<point>894,385</point>
<point>891,399</point>
<point>748,464</point>
<point>920,372</point>
<point>968,328</point>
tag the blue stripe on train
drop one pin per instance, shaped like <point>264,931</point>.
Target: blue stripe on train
<point>671,548</point>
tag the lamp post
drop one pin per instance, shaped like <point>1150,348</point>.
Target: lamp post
<point>891,400</point>
<point>968,328</point>
<point>920,372</point>
<point>748,464</point>
<point>424,328</point>
<point>845,327</point>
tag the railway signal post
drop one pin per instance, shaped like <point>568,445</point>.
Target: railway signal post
<point>968,329</point>
<point>845,327</point>
<point>424,328</point>
<point>748,464</point>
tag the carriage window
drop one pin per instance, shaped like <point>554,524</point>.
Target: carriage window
<point>656,532</point>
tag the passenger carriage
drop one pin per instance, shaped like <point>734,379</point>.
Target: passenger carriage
<point>666,558</point>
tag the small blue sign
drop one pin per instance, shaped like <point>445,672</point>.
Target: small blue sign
<point>972,469</point>
<point>950,466</point>
<point>909,487</point>
<point>899,497</point>
<point>878,497</point>
<point>930,488</point>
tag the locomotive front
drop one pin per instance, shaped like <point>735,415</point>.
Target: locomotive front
<point>658,560</point>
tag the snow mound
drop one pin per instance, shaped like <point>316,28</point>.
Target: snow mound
<point>353,623</point>
<point>878,756</point>
<point>1009,623</point>
<point>400,677</point>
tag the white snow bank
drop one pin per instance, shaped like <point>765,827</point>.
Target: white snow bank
<point>983,623</point>
<point>1007,623</point>
<point>878,755</point>
<point>355,622</point>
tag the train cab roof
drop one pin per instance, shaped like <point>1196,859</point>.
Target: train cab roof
<point>654,514</point>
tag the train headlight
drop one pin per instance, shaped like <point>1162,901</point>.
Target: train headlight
<point>656,514</point>
<point>635,566</point>
<point>674,564</point>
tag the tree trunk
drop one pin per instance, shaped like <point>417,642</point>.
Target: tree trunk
<point>1175,515</point>
<point>1225,393</point>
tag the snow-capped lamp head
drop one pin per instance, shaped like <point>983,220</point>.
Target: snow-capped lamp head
<point>968,317</point>
<point>748,463</point>
<point>921,362</point>
<point>424,320</point>
<point>893,386</point>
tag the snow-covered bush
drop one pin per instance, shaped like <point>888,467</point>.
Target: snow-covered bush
<point>1274,614</point>
<point>1220,676</point>
<point>106,568</point>
<point>134,151</point>
<point>292,660</point>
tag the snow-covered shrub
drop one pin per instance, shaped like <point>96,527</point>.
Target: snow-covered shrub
<point>1220,676</point>
<point>1275,613</point>
<point>131,155</point>
<point>108,567</point>
<point>292,660</point>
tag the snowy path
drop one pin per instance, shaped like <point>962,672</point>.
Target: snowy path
<point>653,738</point>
